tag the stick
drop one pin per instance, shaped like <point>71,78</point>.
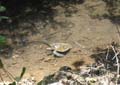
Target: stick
<point>117,61</point>
<point>115,55</point>
<point>107,56</point>
<point>1,78</point>
<point>114,52</point>
<point>9,75</point>
<point>107,53</point>
<point>118,68</point>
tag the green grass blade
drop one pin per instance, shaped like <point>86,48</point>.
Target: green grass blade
<point>2,8</point>
<point>3,40</point>
<point>23,72</point>
<point>1,64</point>
<point>14,83</point>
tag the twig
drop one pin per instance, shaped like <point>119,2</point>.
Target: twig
<point>113,48</point>
<point>107,57</point>
<point>114,52</point>
<point>107,53</point>
<point>1,78</point>
<point>117,61</point>
<point>118,68</point>
<point>9,75</point>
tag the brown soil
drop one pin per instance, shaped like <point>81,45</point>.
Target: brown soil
<point>80,30</point>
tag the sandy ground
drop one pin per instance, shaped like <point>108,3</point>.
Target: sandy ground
<point>81,31</point>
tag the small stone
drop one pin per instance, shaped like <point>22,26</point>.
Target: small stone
<point>15,56</point>
<point>48,59</point>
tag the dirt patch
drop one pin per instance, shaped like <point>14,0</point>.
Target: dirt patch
<point>78,29</point>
